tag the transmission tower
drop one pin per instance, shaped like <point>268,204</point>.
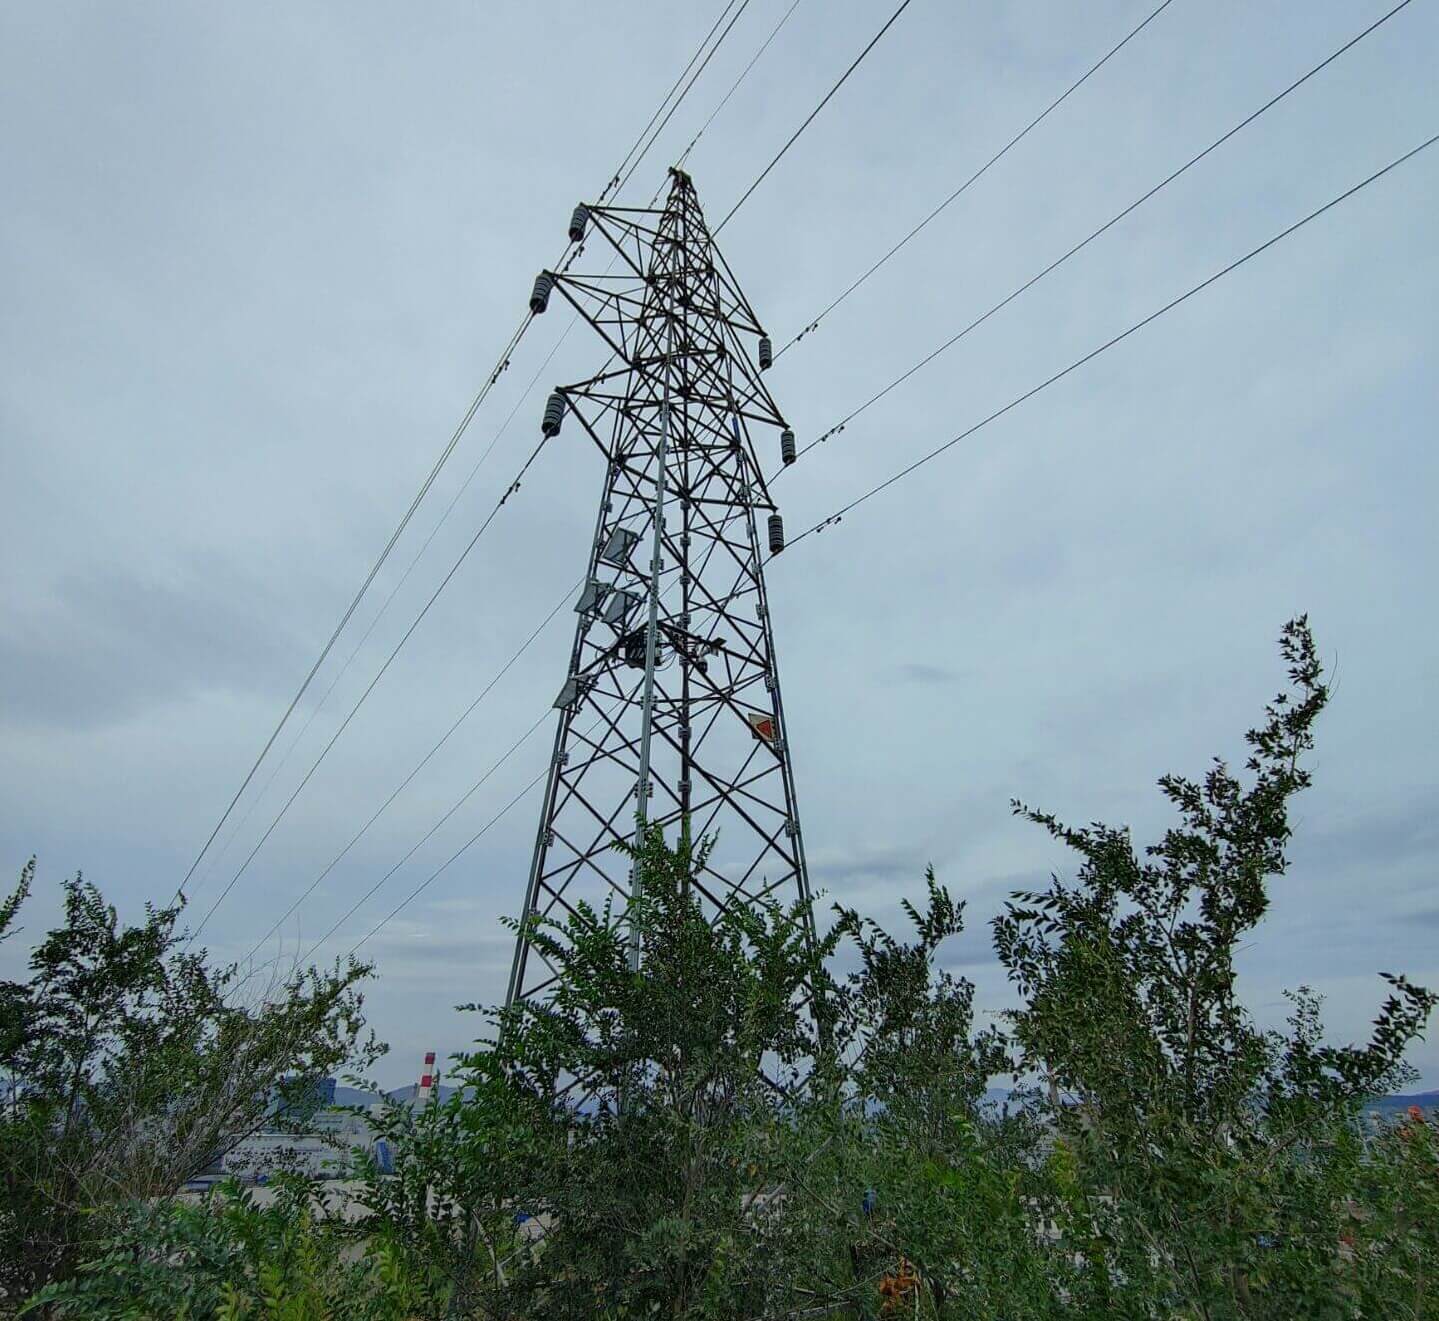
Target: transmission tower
<point>670,712</point>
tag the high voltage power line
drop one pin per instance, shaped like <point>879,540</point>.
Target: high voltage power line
<point>660,127</point>
<point>434,875</point>
<point>429,834</point>
<point>384,607</point>
<point>444,866</point>
<point>394,591</point>
<point>420,765</point>
<point>1094,234</point>
<point>359,596</point>
<point>809,119</point>
<point>440,462</point>
<point>448,862</point>
<point>616,183</point>
<point>984,169</point>
<point>448,813</point>
<point>360,701</point>
<point>1116,339</point>
<point>834,518</point>
<point>912,467</point>
<point>754,59</point>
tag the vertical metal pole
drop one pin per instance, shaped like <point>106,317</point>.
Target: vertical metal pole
<point>685,491</point>
<point>651,644</point>
<point>562,728</point>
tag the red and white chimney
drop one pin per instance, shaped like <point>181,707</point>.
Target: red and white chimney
<point>427,1079</point>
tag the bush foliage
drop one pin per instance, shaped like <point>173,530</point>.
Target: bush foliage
<point>750,1125</point>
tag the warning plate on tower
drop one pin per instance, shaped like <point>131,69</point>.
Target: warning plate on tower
<point>761,725</point>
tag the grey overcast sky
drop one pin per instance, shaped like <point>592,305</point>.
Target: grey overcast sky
<point>257,258</point>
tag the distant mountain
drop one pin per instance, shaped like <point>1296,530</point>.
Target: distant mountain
<point>362,1096</point>
<point>408,1095</point>
<point>1426,1101</point>
<point>998,1096</point>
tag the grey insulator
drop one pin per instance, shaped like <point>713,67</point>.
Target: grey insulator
<point>776,534</point>
<point>786,446</point>
<point>540,296</point>
<point>578,221</point>
<point>766,353</point>
<point>554,415</point>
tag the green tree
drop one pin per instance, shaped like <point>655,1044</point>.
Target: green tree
<point>229,1257</point>
<point>629,1121</point>
<point>127,1064</point>
<point>919,1172</point>
<point>1211,1153</point>
<point>728,1130</point>
<point>1390,1221</point>
<point>461,1164</point>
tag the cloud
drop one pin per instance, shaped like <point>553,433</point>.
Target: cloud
<point>1405,832</point>
<point>1426,917</point>
<point>915,672</point>
<point>101,648</point>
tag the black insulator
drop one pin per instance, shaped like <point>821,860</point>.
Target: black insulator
<point>554,415</point>
<point>578,221</point>
<point>786,445</point>
<point>766,353</point>
<point>540,296</point>
<point>776,534</point>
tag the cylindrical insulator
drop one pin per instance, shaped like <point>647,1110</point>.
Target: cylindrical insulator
<point>776,534</point>
<point>786,445</point>
<point>766,353</point>
<point>578,221</point>
<point>554,415</point>
<point>540,296</point>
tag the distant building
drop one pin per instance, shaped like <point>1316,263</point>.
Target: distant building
<point>306,1134</point>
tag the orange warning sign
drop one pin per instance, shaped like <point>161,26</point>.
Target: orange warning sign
<point>761,725</point>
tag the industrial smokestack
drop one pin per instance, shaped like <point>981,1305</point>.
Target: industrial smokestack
<point>427,1079</point>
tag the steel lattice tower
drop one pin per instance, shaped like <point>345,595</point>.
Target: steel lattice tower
<point>670,712</point>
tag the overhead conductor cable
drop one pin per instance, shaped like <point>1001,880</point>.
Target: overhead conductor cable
<point>543,716</point>
<point>659,109</point>
<point>429,834</point>
<point>984,169</point>
<point>1104,228</point>
<point>661,126</point>
<point>794,137</point>
<point>1117,339</point>
<point>754,59</point>
<point>425,486</point>
<point>423,762</point>
<point>360,701</point>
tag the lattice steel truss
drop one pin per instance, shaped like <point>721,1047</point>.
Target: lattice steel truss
<point>672,680</point>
